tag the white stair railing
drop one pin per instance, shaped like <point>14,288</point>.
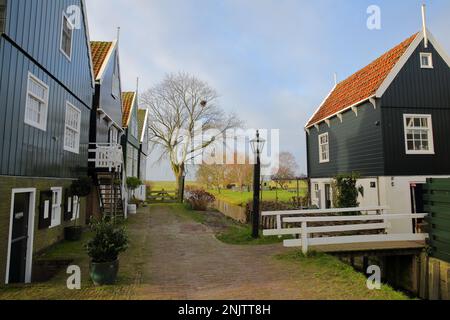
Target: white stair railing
<point>107,156</point>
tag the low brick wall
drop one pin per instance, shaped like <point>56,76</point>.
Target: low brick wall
<point>42,238</point>
<point>233,211</point>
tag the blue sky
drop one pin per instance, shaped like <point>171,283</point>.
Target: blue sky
<point>272,61</point>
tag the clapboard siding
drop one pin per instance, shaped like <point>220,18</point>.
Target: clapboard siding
<point>2,15</point>
<point>35,27</point>
<point>418,91</point>
<point>355,145</point>
<point>25,150</point>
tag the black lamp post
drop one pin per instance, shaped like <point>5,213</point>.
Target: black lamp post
<point>257,145</point>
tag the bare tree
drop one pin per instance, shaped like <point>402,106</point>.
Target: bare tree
<point>287,170</point>
<point>240,173</point>
<point>180,106</point>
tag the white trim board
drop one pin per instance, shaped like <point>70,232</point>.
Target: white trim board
<point>144,128</point>
<point>32,206</point>
<point>106,60</point>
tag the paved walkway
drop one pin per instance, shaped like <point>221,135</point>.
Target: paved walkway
<point>186,261</point>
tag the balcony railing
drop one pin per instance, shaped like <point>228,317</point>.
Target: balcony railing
<point>106,156</point>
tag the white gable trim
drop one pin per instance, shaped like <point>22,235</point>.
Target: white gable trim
<point>105,61</point>
<point>320,106</point>
<point>404,59</point>
<point>144,128</point>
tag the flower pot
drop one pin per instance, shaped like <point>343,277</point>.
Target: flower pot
<point>104,273</point>
<point>73,233</point>
<point>132,209</point>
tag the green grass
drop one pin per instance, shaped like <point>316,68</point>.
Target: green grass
<point>242,235</point>
<point>242,198</point>
<point>331,270</point>
<point>236,197</point>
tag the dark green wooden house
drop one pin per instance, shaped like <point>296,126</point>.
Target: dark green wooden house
<point>46,91</point>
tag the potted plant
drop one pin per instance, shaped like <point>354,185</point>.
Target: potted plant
<point>104,249</point>
<point>132,184</point>
<point>79,188</point>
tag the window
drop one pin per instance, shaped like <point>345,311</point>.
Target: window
<point>426,60</point>
<point>72,129</point>
<point>115,81</point>
<point>324,148</point>
<point>66,37</point>
<point>37,103</point>
<point>132,161</point>
<point>113,135</point>
<point>76,208</point>
<point>418,134</point>
<point>2,15</point>
<point>56,207</point>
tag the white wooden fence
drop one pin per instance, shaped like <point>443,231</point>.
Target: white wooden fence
<point>370,215</point>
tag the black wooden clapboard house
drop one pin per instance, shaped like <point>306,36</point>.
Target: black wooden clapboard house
<point>389,122</point>
<point>46,92</point>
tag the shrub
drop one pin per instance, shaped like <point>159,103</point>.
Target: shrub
<point>81,187</point>
<point>108,242</point>
<point>346,191</point>
<point>200,199</point>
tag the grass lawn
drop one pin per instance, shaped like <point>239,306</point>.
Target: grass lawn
<point>338,275</point>
<point>236,197</point>
<point>242,198</point>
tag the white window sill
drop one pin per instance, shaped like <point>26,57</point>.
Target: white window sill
<point>36,125</point>
<point>75,151</point>
<point>416,153</point>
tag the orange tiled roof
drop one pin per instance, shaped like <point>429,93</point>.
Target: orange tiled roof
<point>127,104</point>
<point>99,50</point>
<point>361,85</point>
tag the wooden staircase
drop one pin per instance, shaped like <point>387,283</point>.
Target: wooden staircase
<point>110,192</point>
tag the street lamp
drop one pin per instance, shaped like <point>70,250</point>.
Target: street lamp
<point>257,145</point>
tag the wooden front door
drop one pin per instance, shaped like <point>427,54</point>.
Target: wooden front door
<point>19,238</point>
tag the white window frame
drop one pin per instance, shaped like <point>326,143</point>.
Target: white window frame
<point>429,55</point>
<point>56,207</point>
<point>430,134</point>
<point>64,17</point>
<point>113,135</point>
<point>76,203</point>
<point>43,125</point>
<point>77,130</point>
<point>321,159</point>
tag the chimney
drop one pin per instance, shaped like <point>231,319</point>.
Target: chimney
<point>424,25</point>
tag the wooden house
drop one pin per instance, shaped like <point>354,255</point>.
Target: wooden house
<point>46,91</point>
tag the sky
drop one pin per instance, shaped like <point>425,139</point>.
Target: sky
<point>271,61</point>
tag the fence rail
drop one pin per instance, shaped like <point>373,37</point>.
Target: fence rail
<point>288,224</point>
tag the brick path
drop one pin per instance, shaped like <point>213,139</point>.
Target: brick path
<point>186,261</point>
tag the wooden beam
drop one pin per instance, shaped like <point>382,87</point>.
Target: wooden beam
<point>355,110</point>
<point>328,122</point>
<point>340,117</point>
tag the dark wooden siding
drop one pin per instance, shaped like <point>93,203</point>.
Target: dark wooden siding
<point>355,145</point>
<point>418,91</point>
<point>112,105</point>
<point>2,15</point>
<point>35,26</point>
<point>105,100</point>
<point>25,150</point>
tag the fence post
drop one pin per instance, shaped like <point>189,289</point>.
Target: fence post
<point>279,226</point>
<point>304,238</point>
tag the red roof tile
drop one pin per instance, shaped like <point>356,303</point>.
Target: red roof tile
<point>361,85</point>
<point>99,50</point>
<point>127,104</point>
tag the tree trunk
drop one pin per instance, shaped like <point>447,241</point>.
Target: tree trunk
<point>179,171</point>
